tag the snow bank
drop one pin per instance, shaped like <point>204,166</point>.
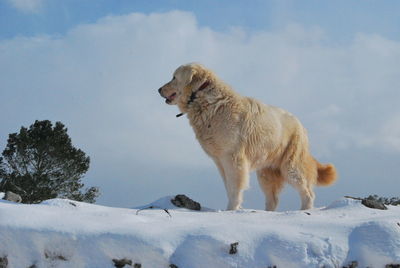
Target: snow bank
<point>65,233</point>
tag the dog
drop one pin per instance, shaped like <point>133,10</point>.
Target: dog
<point>242,135</point>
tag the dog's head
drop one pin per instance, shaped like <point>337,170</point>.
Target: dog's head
<point>186,79</point>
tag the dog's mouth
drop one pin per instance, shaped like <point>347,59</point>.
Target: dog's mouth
<point>170,98</point>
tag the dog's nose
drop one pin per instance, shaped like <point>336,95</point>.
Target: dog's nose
<point>159,90</point>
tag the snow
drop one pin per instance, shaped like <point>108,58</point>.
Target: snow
<point>65,233</point>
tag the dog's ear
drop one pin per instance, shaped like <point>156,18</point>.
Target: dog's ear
<point>190,76</point>
<point>187,74</point>
<point>194,77</point>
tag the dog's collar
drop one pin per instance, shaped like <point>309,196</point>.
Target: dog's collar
<point>194,95</point>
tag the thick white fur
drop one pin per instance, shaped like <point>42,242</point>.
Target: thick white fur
<point>241,135</point>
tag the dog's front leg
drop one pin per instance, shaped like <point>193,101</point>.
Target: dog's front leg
<point>236,171</point>
<point>221,171</point>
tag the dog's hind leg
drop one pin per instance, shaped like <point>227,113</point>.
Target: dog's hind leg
<point>303,185</point>
<point>306,194</point>
<point>236,171</point>
<point>271,183</point>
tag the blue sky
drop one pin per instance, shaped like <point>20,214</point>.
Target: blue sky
<point>96,66</point>
<point>341,18</point>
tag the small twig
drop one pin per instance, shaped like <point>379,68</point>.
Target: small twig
<point>356,198</point>
<point>151,207</point>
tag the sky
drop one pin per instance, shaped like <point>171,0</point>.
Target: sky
<point>96,67</point>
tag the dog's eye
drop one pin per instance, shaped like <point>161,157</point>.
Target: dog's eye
<point>173,78</point>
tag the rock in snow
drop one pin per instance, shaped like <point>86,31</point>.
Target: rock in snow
<point>58,234</point>
<point>373,204</point>
<point>183,201</point>
<point>13,197</point>
<point>121,263</point>
<point>3,262</point>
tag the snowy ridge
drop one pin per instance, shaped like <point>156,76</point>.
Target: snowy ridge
<point>65,233</point>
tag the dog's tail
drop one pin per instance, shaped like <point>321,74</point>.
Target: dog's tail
<point>326,174</point>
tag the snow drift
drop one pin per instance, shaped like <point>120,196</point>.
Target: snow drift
<point>65,233</point>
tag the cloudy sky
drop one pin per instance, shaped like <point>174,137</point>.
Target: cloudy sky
<point>96,65</point>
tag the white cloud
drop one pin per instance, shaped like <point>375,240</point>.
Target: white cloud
<point>390,132</point>
<point>101,80</point>
<point>27,6</point>
<point>111,69</point>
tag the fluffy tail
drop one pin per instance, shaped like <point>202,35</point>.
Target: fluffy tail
<point>326,174</point>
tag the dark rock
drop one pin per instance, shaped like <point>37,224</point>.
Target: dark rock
<point>183,201</point>
<point>13,197</point>
<point>233,249</point>
<point>394,201</point>
<point>54,256</point>
<point>173,266</point>
<point>137,265</point>
<point>352,264</point>
<point>392,266</point>
<point>371,203</point>
<point>121,263</point>
<point>3,262</point>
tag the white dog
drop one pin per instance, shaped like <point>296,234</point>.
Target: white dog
<point>241,134</point>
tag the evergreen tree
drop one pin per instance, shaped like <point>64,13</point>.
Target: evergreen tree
<point>41,163</point>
